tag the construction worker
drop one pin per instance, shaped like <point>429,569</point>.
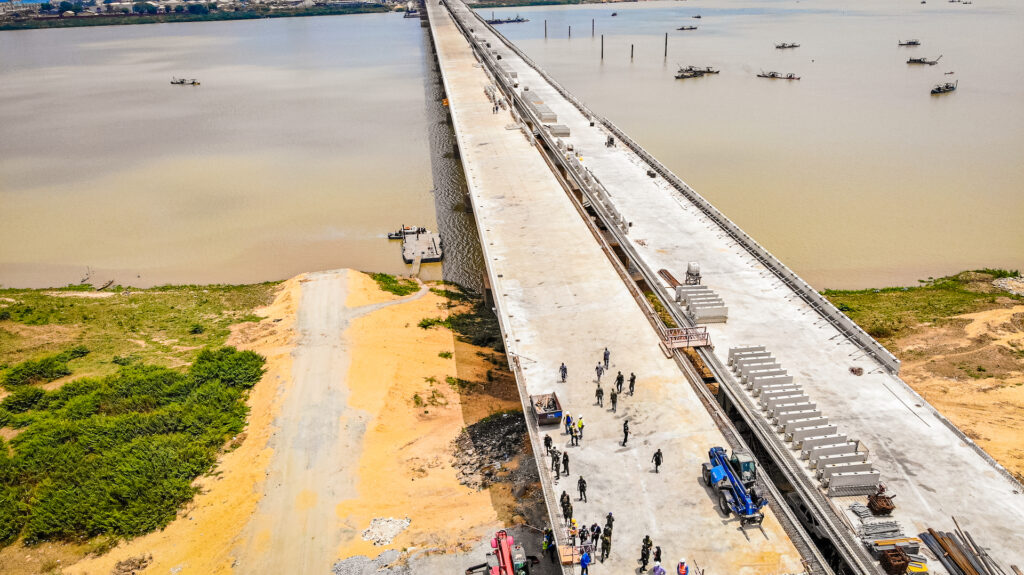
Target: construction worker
<point>581,485</point>
<point>607,355</point>
<point>600,396</point>
<point>565,463</point>
<point>548,544</point>
<point>585,564</point>
<point>563,499</point>
<point>573,532</point>
<point>682,569</point>
<point>618,382</point>
<point>563,371</point>
<point>567,420</point>
<point>615,399</point>
<point>625,432</point>
<point>645,557</point>
<point>584,536</point>
<point>608,522</point>
<point>547,443</point>
<point>568,512</point>
<point>658,569</point>
<point>606,546</point>
<point>555,459</point>
<point>657,459</point>
<point>599,370</point>
<point>574,436</point>
<point>632,383</point>
<point>579,426</point>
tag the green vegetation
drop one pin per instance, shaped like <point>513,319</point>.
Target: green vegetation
<point>429,322</point>
<point>445,355</point>
<point>892,312</point>
<point>659,308</point>
<point>397,286</point>
<point>42,370</point>
<point>117,455</point>
<point>475,323</point>
<point>451,295</point>
<point>195,13</point>
<point>165,326</point>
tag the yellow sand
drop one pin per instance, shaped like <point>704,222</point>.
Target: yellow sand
<point>202,538</point>
<point>405,468</point>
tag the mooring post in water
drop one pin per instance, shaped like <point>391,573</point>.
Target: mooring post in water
<point>602,46</point>
<point>570,31</point>
<point>666,44</point>
<point>631,51</point>
<point>591,27</point>
<point>545,28</point>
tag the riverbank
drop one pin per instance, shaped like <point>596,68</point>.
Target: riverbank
<point>961,343</point>
<point>363,416</point>
<point>216,16</point>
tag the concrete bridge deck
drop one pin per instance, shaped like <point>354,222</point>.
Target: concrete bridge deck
<point>936,471</point>
<point>561,300</point>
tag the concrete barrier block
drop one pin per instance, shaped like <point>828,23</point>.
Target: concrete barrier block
<point>802,433</point>
<point>752,357</point>
<point>820,451</point>
<point>855,457</point>
<point>760,382</point>
<point>750,376</point>
<point>793,406</point>
<point>769,403</point>
<point>794,424</point>
<point>811,442</point>
<point>760,353</point>
<point>784,417</point>
<point>854,479</point>
<point>733,351</point>
<point>756,391</point>
<point>765,364</point>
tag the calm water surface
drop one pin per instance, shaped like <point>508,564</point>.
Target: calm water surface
<point>854,176</point>
<point>306,142</point>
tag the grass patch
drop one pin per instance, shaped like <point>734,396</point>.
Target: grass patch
<point>659,308</point>
<point>451,295</point>
<point>445,355</point>
<point>890,313</point>
<point>397,286</point>
<point>461,385</point>
<point>116,456</point>
<point>154,326</point>
<point>429,322</point>
<point>42,370</point>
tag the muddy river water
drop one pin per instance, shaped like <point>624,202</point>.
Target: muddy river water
<point>310,138</point>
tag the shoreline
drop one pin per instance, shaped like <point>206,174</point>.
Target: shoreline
<point>47,23</point>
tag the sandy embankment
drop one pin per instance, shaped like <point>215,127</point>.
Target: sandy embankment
<point>201,539</point>
<point>335,439</point>
<point>971,369</point>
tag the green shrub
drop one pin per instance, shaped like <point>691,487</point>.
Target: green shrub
<point>23,399</point>
<point>397,286</point>
<point>196,329</point>
<point>42,370</point>
<point>116,456</point>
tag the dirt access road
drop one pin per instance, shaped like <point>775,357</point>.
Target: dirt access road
<point>295,528</point>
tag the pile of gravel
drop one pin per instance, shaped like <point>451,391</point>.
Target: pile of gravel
<point>481,450</point>
<point>363,565</point>
<point>1012,285</point>
<point>383,529</point>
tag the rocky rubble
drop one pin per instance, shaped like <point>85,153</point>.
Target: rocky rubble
<point>363,565</point>
<point>482,449</point>
<point>383,529</point>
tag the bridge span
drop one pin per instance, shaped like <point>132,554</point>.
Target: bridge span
<point>575,219</point>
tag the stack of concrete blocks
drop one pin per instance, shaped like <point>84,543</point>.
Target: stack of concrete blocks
<point>543,112</point>
<point>832,455</point>
<point>702,304</point>
<point>560,130</point>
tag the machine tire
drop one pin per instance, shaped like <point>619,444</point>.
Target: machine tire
<point>705,472</point>
<point>723,503</point>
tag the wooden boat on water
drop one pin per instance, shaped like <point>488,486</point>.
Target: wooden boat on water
<point>407,231</point>
<point>778,76</point>
<point>909,43</point>
<point>686,28</point>
<point>184,82</point>
<point>945,88</point>
<point>784,46</point>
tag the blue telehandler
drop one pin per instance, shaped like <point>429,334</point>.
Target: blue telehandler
<point>734,479</point>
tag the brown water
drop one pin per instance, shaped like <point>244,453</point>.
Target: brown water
<point>306,142</point>
<point>311,137</point>
<point>855,175</point>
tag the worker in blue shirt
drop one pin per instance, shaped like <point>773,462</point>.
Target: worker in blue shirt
<point>585,563</point>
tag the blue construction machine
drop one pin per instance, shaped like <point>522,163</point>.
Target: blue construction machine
<point>734,479</point>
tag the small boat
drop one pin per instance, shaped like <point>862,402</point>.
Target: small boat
<point>686,28</point>
<point>697,16</point>
<point>909,43</point>
<point>184,82</point>
<point>413,13</point>
<point>924,61</point>
<point>784,45</point>
<point>517,20</point>
<point>778,76</point>
<point>694,72</point>
<point>948,73</point>
<point>615,14</point>
<point>944,88</point>
<point>406,231</point>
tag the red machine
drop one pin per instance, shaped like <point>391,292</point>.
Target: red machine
<point>507,559</point>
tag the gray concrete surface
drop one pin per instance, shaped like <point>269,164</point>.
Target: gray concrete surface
<point>936,471</point>
<point>560,299</point>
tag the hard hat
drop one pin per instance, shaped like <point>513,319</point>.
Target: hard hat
<point>657,563</point>
<point>683,560</point>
